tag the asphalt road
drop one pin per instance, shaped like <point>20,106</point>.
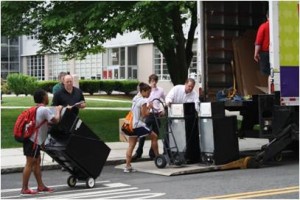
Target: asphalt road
<point>278,180</point>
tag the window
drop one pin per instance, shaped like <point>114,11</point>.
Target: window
<point>115,56</point>
<point>132,55</point>
<point>36,67</point>
<point>160,65</point>
<point>10,56</point>
<point>89,67</point>
<point>117,63</point>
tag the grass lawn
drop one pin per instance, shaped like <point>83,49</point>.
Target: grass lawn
<point>104,123</point>
<point>92,101</point>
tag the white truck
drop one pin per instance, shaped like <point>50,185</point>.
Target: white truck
<point>277,110</point>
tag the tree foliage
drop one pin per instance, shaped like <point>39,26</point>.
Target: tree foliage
<point>78,28</point>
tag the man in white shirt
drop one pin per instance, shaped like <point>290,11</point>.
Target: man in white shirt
<point>183,94</point>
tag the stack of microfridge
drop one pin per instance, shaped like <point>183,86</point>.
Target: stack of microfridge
<point>183,129</point>
<point>217,134</point>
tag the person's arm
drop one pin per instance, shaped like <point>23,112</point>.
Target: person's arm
<point>197,102</point>
<point>170,96</point>
<point>56,117</point>
<point>82,105</point>
<point>258,42</point>
<point>145,110</point>
<point>256,52</point>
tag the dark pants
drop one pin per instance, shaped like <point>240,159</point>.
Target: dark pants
<point>264,63</point>
<point>153,123</point>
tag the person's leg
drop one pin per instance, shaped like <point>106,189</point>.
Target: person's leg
<point>131,144</point>
<point>139,150</point>
<point>154,143</point>
<point>27,172</point>
<point>155,129</point>
<point>264,63</point>
<point>37,172</point>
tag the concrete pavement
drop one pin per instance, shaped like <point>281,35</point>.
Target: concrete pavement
<point>13,160</point>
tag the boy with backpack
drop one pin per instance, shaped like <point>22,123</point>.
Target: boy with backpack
<point>33,145</point>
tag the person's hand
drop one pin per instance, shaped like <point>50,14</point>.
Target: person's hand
<point>150,105</point>
<point>256,57</point>
<point>162,113</point>
<point>69,107</point>
<point>59,108</point>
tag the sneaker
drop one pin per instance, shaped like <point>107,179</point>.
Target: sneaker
<point>45,190</point>
<point>129,170</point>
<point>28,192</point>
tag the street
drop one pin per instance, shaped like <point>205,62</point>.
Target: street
<point>278,180</point>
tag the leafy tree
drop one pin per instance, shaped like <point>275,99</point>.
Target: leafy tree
<point>77,28</point>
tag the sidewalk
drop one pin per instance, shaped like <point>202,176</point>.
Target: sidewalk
<point>13,160</point>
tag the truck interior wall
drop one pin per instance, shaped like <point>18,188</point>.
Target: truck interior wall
<point>224,21</point>
<point>250,81</point>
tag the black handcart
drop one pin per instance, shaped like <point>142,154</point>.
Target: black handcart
<point>178,149</point>
<point>77,149</point>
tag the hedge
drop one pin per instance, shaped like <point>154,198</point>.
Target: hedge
<point>23,84</point>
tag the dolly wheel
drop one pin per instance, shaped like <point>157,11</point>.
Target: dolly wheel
<point>90,182</point>
<point>278,157</point>
<point>160,161</point>
<point>72,181</point>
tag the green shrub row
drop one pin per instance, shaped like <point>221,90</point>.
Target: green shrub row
<point>24,84</point>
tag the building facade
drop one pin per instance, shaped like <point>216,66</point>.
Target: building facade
<point>127,57</point>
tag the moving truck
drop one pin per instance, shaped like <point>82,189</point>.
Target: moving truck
<point>227,49</point>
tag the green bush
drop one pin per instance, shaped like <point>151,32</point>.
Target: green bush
<point>128,86</point>
<point>31,85</point>
<point>89,86</point>
<point>21,84</point>
<point>108,86</point>
<point>47,85</point>
<point>5,89</point>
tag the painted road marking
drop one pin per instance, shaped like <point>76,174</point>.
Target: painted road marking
<point>105,189</point>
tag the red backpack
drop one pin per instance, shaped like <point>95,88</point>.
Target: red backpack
<point>25,125</point>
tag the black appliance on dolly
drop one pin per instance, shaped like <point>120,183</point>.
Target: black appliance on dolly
<point>181,139</point>
<point>77,149</point>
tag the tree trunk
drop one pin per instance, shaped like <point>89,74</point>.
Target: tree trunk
<point>177,66</point>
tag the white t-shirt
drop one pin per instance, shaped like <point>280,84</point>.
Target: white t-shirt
<point>42,113</point>
<point>137,102</point>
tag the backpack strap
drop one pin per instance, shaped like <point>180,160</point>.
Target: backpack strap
<point>36,130</point>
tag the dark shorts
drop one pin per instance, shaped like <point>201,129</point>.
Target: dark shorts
<point>29,151</point>
<point>264,63</point>
<point>141,132</point>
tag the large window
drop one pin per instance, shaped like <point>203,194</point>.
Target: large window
<point>90,67</point>
<point>132,55</point>
<point>36,67</point>
<point>56,65</point>
<point>118,66</point>
<point>10,56</point>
